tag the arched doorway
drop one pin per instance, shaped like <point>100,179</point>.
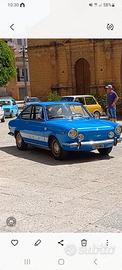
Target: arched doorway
<point>82,76</point>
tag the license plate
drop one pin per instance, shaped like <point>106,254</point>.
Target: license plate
<point>99,146</point>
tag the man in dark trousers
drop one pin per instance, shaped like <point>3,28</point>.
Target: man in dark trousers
<point>112,99</point>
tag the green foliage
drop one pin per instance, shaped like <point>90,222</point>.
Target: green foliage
<point>53,96</point>
<point>7,63</point>
<point>102,100</point>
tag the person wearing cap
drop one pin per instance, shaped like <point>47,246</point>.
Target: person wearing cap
<point>112,99</point>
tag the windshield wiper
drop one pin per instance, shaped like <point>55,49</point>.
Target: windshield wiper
<point>60,116</point>
<point>77,115</point>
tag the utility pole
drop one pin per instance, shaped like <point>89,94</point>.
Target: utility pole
<point>24,66</point>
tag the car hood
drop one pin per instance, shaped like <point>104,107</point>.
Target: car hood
<point>84,124</point>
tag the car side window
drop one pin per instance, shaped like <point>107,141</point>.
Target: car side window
<point>39,113</point>
<point>26,114</point>
<point>90,101</point>
<point>81,100</point>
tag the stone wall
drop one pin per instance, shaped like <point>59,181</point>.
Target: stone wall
<point>52,65</point>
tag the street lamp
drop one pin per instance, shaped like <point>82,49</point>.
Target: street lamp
<point>23,51</point>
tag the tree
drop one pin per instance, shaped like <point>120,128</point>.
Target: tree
<point>53,96</point>
<point>7,63</point>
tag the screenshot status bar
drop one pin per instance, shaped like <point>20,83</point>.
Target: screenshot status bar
<point>61,19</point>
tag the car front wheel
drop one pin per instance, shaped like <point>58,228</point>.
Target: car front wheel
<point>56,149</point>
<point>21,145</point>
<point>105,151</point>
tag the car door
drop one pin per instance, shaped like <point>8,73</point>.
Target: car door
<point>24,122</point>
<point>91,104</point>
<point>37,129</point>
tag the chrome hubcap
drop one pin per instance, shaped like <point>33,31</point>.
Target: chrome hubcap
<point>56,148</point>
<point>19,140</point>
<point>97,115</point>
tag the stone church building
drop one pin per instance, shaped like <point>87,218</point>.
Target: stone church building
<point>74,66</point>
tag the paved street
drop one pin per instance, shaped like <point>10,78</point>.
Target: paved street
<point>82,193</point>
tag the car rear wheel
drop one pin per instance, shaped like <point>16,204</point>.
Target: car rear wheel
<point>97,114</point>
<point>105,151</point>
<point>3,119</point>
<point>21,145</point>
<point>56,149</point>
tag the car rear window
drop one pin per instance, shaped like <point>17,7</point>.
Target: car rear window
<point>70,99</point>
<point>33,100</point>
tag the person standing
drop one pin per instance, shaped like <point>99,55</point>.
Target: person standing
<point>112,99</point>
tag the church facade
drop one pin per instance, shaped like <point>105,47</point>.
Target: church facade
<point>74,66</point>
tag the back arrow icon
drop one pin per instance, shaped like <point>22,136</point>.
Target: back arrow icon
<point>12,27</point>
<point>95,261</point>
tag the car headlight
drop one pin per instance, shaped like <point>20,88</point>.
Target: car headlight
<point>81,137</point>
<point>73,133</point>
<point>111,134</point>
<point>118,130</point>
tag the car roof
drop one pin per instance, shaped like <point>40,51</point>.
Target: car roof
<point>6,98</point>
<point>32,97</point>
<point>78,96</point>
<point>47,103</point>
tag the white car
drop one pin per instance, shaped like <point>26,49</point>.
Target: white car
<point>2,117</point>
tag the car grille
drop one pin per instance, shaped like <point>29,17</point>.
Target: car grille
<point>95,135</point>
<point>6,110</point>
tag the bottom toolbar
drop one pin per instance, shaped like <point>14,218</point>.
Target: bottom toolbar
<point>60,251</point>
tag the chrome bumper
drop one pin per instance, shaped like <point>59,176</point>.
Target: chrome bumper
<point>93,143</point>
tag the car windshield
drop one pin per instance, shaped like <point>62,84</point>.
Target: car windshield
<point>66,111</point>
<point>5,102</point>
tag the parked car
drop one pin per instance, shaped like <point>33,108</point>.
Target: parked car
<point>30,100</point>
<point>89,102</point>
<point>63,127</point>
<point>2,117</point>
<point>9,106</point>
<point>20,104</point>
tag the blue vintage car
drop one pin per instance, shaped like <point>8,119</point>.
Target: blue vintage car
<point>63,127</point>
<point>9,106</point>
